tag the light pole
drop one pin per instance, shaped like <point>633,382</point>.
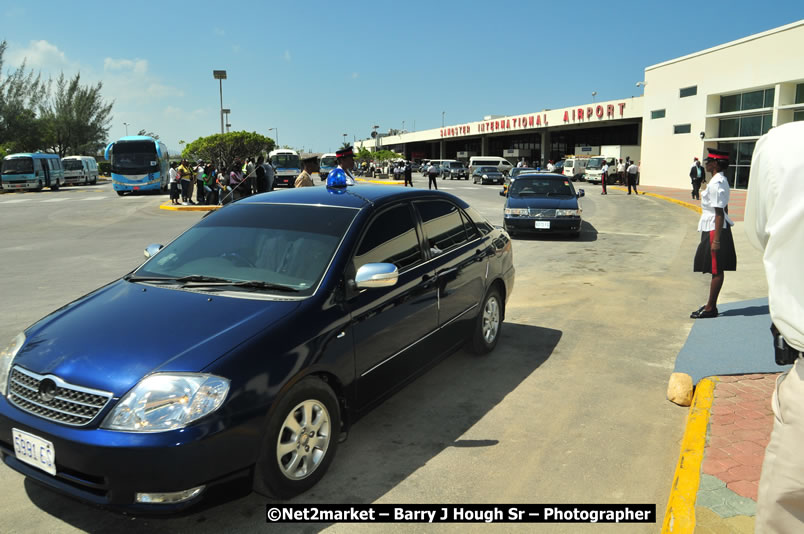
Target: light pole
<point>277,135</point>
<point>442,118</point>
<point>220,75</point>
<point>226,113</point>
<point>403,126</point>
<point>642,85</point>
<point>126,125</point>
<point>344,138</point>
<point>594,94</point>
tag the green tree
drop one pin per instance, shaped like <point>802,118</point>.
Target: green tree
<point>21,94</point>
<point>149,134</point>
<point>227,147</point>
<point>77,117</point>
<point>364,154</point>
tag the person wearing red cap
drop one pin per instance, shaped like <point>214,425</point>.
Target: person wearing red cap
<point>715,253</point>
<point>346,162</point>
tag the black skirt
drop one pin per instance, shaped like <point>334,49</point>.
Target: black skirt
<point>715,262</point>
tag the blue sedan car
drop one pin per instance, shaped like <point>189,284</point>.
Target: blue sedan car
<point>246,347</point>
<point>542,203</point>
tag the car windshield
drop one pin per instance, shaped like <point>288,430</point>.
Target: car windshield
<point>285,245</point>
<point>456,165</point>
<point>18,166</point>
<point>134,157</point>
<point>329,162</point>
<point>519,170</point>
<point>285,161</point>
<point>72,165</point>
<point>595,163</point>
<point>487,169</point>
<point>541,187</point>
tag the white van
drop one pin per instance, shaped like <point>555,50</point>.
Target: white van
<point>502,164</point>
<point>80,170</point>
<point>574,168</point>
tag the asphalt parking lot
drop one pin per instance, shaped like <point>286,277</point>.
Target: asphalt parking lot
<point>570,407</point>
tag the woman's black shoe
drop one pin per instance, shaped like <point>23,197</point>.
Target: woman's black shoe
<point>701,313</point>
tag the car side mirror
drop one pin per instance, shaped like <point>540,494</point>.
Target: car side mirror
<point>374,275</point>
<point>151,250</point>
<point>581,192</point>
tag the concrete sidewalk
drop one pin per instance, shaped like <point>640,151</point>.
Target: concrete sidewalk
<point>729,423</point>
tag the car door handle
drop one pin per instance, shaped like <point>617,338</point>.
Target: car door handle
<point>342,334</point>
<point>447,272</point>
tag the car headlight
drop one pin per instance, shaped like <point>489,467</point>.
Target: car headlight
<point>516,211</point>
<point>167,401</point>
<point>567,213</point>
<point>6,358</point>
<point>485,177</point>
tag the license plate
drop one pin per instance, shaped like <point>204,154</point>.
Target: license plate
<point>543,224</point>
<point>34,451</point>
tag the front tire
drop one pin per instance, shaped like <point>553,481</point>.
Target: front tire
<point>120,193</point>
<point>300,441</point>
<point>55,187</point>
<point>489,322</point>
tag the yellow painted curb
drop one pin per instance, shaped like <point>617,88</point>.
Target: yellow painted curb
<point>381,182</point>
<point>174,207</point>
<point>687,205</point>
<point>680,515</point>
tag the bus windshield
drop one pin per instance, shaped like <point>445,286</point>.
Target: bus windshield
<point>18,166</point>
<point>285,161</point>
<point>72,165</point>
<point>134,157</point>
<point>329,162</point>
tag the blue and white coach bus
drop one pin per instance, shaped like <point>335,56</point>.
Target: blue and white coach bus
<point>139,163</point>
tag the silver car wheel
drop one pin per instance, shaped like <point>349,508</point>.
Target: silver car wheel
<point>303,440</point>
<point>491,320</point>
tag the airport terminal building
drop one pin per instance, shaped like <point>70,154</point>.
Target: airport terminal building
<point>724,97</point>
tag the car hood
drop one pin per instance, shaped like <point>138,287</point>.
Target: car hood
<point>565,203</point>
<point>111,338</point>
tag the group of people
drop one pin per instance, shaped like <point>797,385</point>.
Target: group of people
<point>216,184</point>
<point>625,173</point>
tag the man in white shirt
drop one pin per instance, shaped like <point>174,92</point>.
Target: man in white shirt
<point>632,172</point>
<point>432,173</point>
<point>621,171</point>
<point>550,166</point>
<point>604,177</point>
<point>774,223</point>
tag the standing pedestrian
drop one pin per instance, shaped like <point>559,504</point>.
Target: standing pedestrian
<point>200,193</point>
<point>185,175</point>
<point>621,169</point>
<point>269,174</point>
<point>261,178</point>
<point>251,174</point>
<point>432,174</point>
<point>715,253</point>
<point>236,180</point>
<point>774,223</point>
<point>346,162</point>
<point>604,177</point>
<point>697,174</point>
<point>408,174</point>
<point>173,180</point>
<point>550,166</point>
<point>305,179</point>
<point>632,172</point>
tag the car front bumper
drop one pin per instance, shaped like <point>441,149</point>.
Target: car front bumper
<point>554,225</point>
<point>108,468</point>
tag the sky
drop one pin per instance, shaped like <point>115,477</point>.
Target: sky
<point>314,71</point>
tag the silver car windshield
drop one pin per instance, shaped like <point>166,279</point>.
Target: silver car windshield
<point>282,245</point>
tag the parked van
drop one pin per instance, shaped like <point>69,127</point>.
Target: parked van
<point>80,170</point>
<point>32,171</point>
<point>574,168</point>
<point>502,164</point>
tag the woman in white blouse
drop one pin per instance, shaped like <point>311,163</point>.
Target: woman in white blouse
<point>715,253</point>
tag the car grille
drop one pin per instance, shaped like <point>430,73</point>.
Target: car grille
<point>533,212</point>
<point>67,404</point>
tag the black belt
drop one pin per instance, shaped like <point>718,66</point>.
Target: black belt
<point>785,354</point>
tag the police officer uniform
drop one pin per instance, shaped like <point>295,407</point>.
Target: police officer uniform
<point>340,156</point>
<point>304,179</point>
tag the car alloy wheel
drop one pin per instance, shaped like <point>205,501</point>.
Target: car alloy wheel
<point>489,322</point>
<point>300,440</point>
<point>303,440</point>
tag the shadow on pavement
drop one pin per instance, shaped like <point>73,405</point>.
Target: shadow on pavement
<point>384,448</point>
<point>750,311</point>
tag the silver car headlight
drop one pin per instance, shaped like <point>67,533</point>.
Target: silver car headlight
<point>516,211</point>
<point>167,401</point>
<point>567,213</point>
<point>6,358</point>
<point>485,177</point>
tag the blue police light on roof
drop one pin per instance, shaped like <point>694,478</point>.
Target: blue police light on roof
<point>336,178</point>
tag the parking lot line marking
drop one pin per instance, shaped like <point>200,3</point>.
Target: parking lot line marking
<point>16,201</point>
<point>91,198</point>
<point>56,200</point>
